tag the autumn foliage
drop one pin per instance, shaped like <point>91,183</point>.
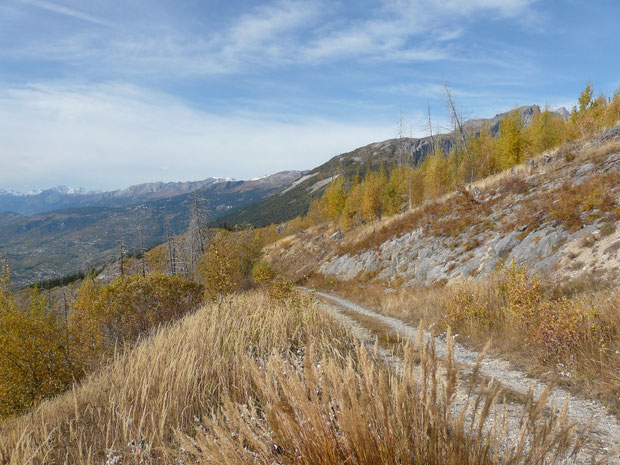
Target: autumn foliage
<point>43,351</point>
<point>387,191</point>
<point>37,357</point>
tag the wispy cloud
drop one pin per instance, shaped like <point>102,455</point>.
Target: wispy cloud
<point>298,32</point>
<point>113,135</point>
<point>66,11</point>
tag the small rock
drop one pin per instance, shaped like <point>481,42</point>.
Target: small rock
<point>337,236</point>
<point>504,245</point>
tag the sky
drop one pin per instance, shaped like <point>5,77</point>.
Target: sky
<point>103,94</point>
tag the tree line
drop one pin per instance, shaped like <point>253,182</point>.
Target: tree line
<point>350,201</point>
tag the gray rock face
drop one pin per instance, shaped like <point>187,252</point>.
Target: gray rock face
<point>504,245</point>
<point>337,236</point>
<point>422,260</point>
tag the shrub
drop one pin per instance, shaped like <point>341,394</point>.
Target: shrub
<point>559,330</point>
<point>467,306</point>
<point>37,353</point>
<point>522,292</point>
<point>514,185</point>
<point>128,307</point>
<point>262,273</point>
<point>280,289</point>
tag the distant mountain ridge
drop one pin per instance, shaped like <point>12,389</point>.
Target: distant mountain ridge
<point>61,197</point>
<point>57,243</point>
<point>295,200</point>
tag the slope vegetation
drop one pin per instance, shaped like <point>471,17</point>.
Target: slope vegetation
<point>295,200</point>
<point>257,379</point>
<point>529,259</point>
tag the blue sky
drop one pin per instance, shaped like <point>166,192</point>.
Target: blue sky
<point>107,93</point>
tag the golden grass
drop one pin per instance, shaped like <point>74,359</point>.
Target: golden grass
<point>325,412</point>
<point>253,379</point>
<point>586,352</point>
<point>134,406</point>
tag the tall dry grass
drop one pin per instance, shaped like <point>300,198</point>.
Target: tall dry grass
<point>324,412</point>
<point>260,380</point>
<point>132,408</point>
<point>572,336</point>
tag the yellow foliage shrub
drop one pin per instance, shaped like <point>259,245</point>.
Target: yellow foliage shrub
<point>262,273</point>
<point>37,359</point>
<point>468,306</point>
<point>522,292</point>
<point>128,307</point>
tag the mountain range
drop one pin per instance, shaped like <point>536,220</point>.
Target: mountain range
<point>55,232</point>
<point>62,197</point>
<point>52,244</point>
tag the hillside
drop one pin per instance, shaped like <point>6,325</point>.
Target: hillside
<point>240,383</point>
<point>58,243</point>
<point>295,201</point>
<point>447,322</point>
<point>528,259</point>
<point>557,213</point>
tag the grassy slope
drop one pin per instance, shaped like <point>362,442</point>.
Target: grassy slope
<point>256,380</point>
<point>585,354</point>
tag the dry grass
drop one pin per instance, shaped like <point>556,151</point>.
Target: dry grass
<point>574,334</point>
<point>257,380</point>
<point>324,412</point>
<point>135,405</point>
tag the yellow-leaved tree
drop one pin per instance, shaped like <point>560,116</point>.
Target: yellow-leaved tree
<point>220,270</point>
<point>510,141</point>
<point>544,132</point>
<point>371,206</point>
<point>36,350</point>
<point>334,198</point>
<point>437,174</point>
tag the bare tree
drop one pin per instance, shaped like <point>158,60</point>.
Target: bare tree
<point>197,235</point>
<point>455,116</point>
<point>142,252</point>
<point>171,249</point>
<point>400,126</point>
<point>121,258</point>
<point>430,129</point>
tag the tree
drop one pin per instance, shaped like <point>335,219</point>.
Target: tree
<point>36,359</point>
<point>437,175</point>
<point>396,189</point>
<point>334,198</point>
<point>371,206</point>
<point>510,141</point>
<point>585,98</point>
<point>197,235</point>
<point>455,117</point>
<point>220,270</point>
<point>612,112</point>
<point>544,132</point>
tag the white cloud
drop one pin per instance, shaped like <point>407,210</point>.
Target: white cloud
<point>115,135</point>
<point>281,32</point>
<point>63,10</point>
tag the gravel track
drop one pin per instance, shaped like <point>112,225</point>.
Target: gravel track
<point>604,438</point>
